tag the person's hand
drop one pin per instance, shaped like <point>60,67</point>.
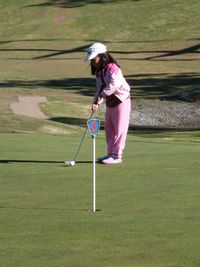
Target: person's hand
<point>95,107</point>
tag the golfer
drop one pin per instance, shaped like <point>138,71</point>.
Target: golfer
<point>113,88</point>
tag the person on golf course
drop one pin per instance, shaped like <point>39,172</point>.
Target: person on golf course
<point>113,88</point>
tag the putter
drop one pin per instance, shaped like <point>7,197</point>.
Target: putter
<point>71,163</point>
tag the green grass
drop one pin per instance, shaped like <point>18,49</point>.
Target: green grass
<point>149,205</point>
<point>157,50</point>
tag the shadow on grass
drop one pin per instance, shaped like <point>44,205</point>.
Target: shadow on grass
<point>91,41</point>
<point>73,3</point>
<point>8,161</point>
<point>150,131</point>
<point>189,50</point>
<point>46,208</point>
<point>165,86</point>
<point>83,86</point>
<point>161,55</point>
<point>166,55</point>
<point>70,121</point>
<point>74,121</point>
<point>64,52</point>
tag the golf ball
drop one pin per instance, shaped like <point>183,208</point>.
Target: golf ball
<point>70,163</point>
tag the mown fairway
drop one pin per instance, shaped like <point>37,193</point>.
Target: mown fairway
<point>149,206</point>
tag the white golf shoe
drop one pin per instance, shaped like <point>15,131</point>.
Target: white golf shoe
<point>112,160</point>
<point>102,158</point>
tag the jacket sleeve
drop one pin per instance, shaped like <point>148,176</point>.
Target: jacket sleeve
<point>114,80</point>
<point>99,84</point>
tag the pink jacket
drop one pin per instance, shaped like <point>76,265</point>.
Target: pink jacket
<point>114,81</point>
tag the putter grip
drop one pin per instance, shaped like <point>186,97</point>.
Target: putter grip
<point>102,87</point>
<point>98,97</point>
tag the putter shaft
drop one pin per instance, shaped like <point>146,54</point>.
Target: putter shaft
<point>76,155</point>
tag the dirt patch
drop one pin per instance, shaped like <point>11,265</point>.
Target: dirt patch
<point>60,17</point>
<point>28,106</point>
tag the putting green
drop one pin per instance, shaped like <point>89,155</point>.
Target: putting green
<point>148,205</point>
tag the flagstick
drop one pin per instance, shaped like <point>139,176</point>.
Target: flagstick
<point>94,175</point>
<point>93,126</point>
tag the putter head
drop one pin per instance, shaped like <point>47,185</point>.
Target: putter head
<point>70,163</point>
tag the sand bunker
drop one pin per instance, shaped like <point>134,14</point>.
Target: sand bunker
<point>28,106</point>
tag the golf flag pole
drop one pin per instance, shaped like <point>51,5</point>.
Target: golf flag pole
<point>94,173</point>
<point>93,126</point>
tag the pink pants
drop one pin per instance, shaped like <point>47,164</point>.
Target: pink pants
<point>116,126</point>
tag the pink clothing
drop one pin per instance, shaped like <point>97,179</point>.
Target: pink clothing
<point>116,125</point>
<point>117,118</point>
<point>114,81</point>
